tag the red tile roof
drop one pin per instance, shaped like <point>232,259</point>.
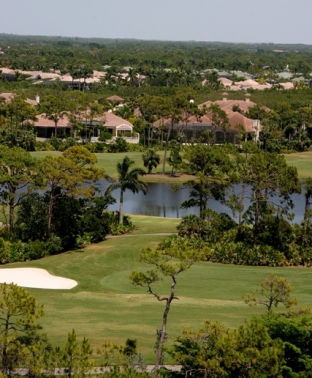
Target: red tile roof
<point>42,121</point>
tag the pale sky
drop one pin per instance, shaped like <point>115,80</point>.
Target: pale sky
<point>277,21</point>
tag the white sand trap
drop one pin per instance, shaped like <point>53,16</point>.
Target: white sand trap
<point>35,278</point>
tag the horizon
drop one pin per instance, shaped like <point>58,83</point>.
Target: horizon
<point>245,22</point>
<point>152,40</point>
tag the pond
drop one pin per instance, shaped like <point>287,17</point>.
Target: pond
<point>161,201</point>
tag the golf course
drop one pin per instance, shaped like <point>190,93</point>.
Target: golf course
<point>108,161</point>
<point>106,306</point>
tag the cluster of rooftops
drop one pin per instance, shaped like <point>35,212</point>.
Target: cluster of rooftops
<point>45,127</point>
<point>285,78</point>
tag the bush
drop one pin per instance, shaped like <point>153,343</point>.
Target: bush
<point>132,147</point>
<point>57,144</point>
<point>44,146</point>
<point>53,245</point>
<point>242,254</point>
<point>119,229</point>
<point>95,147</point>
<point>18,251</point>
<point>105,135</point>
<point>119,145</point>
<point>35,250</point>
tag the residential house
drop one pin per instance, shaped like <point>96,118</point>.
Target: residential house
<point>194,126</point>
<point>117,126</point>
<point>45,128</point>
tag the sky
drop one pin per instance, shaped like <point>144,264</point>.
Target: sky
<point>250,21</point>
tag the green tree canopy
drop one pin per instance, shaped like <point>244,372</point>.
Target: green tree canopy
<point>127,179</point>
<point>18,170</point>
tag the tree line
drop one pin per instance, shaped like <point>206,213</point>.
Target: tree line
<point>44,53</point>
<point>55,204</point>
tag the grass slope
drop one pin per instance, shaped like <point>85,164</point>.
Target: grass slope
<point>105,305</point>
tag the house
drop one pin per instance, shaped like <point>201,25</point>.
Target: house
<point>117,126</point>
<point>115,99</point>
<point>194,126</point>
<point>237,118</point>
<point>45,128</point>
<point>8,96</point>
<point>226,104</point>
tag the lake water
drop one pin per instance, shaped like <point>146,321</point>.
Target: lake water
<point>161,201</point>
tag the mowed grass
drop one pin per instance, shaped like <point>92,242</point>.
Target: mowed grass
<point>105,304</point>
<point>301,160</point>
<point>154,225</point>
<point>108,161</point>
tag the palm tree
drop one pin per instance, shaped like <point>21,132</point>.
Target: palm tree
<point>127,180</point>
<point>150,160</point>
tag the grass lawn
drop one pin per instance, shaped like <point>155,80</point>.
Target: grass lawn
<point>109,161</point>
<point>154,225</point>
<point>105,305</point>
<point>302,161</point>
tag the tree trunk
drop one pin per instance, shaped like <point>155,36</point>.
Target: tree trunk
<point>307,195</point>
<point>164,328</point>
<point>255,231</point>
<point>201,206</point>
<point>50,214</point>
<point>121,207</point>
<point>242,204</point>
<point>4,367</point>
<point>166,149</point>
<point>11,221</point>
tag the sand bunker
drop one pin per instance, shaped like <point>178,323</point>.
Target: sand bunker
<point>35,278</point>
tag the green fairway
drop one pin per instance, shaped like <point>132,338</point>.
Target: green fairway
<point>154,225</point>
<point>302,161</point>
<point>105,305</point>
<point>109,161</point>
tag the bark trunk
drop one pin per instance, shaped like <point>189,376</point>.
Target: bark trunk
<point>255,238</point>
<point>11,222</point>
<point>166,149</point>
<point>242,204</point>
<point>50,214</point>
<point>4,355</point>
<point>307,195</point>
<point>164,328</point>
<point>121,207</point>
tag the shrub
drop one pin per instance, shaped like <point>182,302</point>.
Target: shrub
<point>132,147</point>
<point>95,147</point>
<point>119,229</point>
<point>44,146</point>
<point>53,245</point>
<point>18,251</point>
<point>57,144</point>
<point>119,145</point>
<point>242,254</point>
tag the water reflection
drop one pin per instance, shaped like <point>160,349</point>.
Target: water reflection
<point>161,201</point>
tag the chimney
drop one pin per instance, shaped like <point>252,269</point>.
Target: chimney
<point>224,96</point>
<point>248,95</point>
<point>37,99</point>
